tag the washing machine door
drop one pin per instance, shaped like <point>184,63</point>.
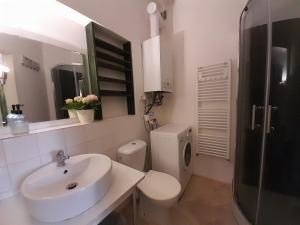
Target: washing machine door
<point>187,155</point>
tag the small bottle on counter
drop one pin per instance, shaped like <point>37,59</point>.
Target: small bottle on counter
<point>11,115</point>
<point>17,123</point>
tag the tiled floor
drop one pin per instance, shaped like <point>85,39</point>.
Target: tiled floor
<point>205,202</point>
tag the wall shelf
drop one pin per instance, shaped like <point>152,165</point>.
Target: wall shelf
<point>107,46</point>
<point>109,51</point>
<point>107,57</point>
<point>113,93</point>
<point>111,66</point>
<point>112,80</point>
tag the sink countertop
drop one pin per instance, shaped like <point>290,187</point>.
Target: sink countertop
<point>13,210</point>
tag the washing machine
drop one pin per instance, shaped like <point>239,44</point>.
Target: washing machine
<point>172,151</point>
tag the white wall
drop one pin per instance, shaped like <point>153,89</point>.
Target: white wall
<point>34,99</point>
<point>206,32</point>
<point>22,155</point>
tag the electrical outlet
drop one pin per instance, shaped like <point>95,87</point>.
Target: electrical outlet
<point>143,98</point>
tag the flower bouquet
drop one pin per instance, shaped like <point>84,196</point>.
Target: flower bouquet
<point>85,107</point>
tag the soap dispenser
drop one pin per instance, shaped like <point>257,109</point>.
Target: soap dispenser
<point>18,123</point>
<point>11,115</point>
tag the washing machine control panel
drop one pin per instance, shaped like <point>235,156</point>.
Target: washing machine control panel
<point>182,138</point>
<point>185,135</point>
<point>189,132</point>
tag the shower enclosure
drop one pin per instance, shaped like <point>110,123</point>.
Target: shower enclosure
<point>267,168</point>
<point>69,81</point>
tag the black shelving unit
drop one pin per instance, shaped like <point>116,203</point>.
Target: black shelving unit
<point>104,53</point>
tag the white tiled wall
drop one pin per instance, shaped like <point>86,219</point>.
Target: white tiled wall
<point>20,156</point>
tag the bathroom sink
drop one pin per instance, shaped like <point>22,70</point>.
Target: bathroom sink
<point>54,193</point>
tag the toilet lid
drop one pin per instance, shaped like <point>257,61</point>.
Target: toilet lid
<point>159,186</point>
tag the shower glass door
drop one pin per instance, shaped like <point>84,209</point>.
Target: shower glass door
<point>280,193</point>
<point>252,80</point>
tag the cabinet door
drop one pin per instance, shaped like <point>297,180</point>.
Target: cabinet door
<point>252,80</point>
<point>280,199</point>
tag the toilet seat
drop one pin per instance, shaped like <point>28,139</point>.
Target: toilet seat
<point>160,186</point>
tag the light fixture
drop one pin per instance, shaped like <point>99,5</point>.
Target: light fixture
<point>4,69</point>
<point>3,74</point>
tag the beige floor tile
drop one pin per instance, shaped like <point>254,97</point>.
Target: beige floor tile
<point>204,202</point>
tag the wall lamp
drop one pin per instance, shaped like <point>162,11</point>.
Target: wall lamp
<point>3,74</point>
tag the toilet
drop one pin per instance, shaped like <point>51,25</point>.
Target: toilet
<point>159,191</point>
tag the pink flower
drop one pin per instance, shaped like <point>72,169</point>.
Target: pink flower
<point>92,98</point>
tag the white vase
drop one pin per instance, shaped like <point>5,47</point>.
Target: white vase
<point>86,116</point>
<point>72,113</point>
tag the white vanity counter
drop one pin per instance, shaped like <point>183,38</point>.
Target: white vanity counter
<point>13,210</point>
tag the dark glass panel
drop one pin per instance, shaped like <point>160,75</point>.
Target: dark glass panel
<point>253,64</point>
<point>280,202</point>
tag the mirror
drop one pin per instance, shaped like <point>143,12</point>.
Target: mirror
<point>42,58</point>
<point>40,77</point>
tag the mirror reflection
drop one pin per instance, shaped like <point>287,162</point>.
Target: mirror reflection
<point>42,58</point>
<point>39,76</point>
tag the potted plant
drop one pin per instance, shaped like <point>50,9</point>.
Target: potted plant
<point>86,107</point>
<point>71,108</point>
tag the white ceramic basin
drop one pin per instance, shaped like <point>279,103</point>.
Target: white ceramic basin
<point>56,193</point>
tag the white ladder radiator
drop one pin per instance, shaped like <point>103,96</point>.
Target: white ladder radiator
<point>214,93</point>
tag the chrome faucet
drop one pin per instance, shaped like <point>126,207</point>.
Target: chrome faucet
<point>61,158</point>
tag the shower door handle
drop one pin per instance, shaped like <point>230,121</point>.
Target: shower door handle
<point>253,117</point>
<point>269,122</point>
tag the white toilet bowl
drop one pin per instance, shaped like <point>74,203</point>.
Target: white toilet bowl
<point>159,191</point>
<point>162,189</point>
